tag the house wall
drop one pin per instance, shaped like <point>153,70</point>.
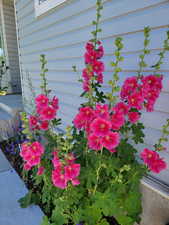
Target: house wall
<point>10,44</point>
<point>61,34</point>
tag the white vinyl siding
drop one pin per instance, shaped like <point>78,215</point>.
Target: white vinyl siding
<point>62,33</point>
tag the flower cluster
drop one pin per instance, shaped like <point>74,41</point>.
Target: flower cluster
<point>45,111</point>
<point>31,154</point>
<point>94,67</point>
<point>142,92</point>
<point>153,160</point>
<point>65,170</point>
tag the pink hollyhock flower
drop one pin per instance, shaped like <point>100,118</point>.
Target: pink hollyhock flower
<point>100,78</point>
<point>48,113</point>
<point>57,164</point>
<point>90,57</point>
<point>150,106</point>
<point>158,165</point>
<point>37,148</point>
<point>25,148</point>
<point>111,140</point>
<point>153,81</point>
<point>87,113</point>
<point>42,100</point>
<point>33,121</point>
<point>27,167</point>
<point>100,127</point>
<point>129,86</point>
<point>136,100</point>
<point>55,103</point>
<point>78,121</point>
<point>153,160</point>
<point>87,74</point>
<point>148,156</point>
<point>59,179</point>
<point>72,171</point>
<point>89,46</point>
<point>32,159</point>
<point>100,52</point>
<point>117,121</point>
<point>40,170</point>
<point>121,107</point>
<point>95,142</point>
<point>44,125</point>
<point>102,111</point>
<point>133,117</point>
<point>98,67</point>
<point>75,182</point>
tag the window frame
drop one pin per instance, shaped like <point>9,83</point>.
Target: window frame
<point>47,5</point>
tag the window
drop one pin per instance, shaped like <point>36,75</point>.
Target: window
<point>42,6</point>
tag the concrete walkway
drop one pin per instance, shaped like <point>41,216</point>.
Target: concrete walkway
<point>12,187</point>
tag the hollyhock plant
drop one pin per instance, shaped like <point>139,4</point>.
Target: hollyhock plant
<point>91,168</point>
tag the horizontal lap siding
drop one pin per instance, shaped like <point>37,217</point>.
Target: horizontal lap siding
<point>11,42</point>
<point>62,33</point>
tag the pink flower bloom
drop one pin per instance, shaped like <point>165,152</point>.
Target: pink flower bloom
<point>95,142</point>
<point>153,160</point>
<point>75,182</point>
<point>78,121</point>
<point>136,100</point>
<point>100,127</point>
<point>25,148</point>
<point>87,113</point>
<point>117,121</point>
<point>48,113</point>
<point>40,170</point>
<point>37,148</point>
<point>100,52</point>
<point>111,140</point>
<point>32,159</point>
<point>72,171</point>
<point>133,117</point>
<point>44,125</point>
<point>55,103</point>
<point>59,179</point>
<point>42,100</point>
<point>102,111</point>
<point>98,67</point>
<point>87,74</point>
<point>121,108</point>
<point>153,81</point>
<point>33,121</point>
<point>89,46</point>
<point>100,78</point>
<point>158,165</point>
<point>27,167</point>
<point>129,86</point>
<point>90,57</point>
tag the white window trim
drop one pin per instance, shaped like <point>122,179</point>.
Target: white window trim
<point>46,6</point>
